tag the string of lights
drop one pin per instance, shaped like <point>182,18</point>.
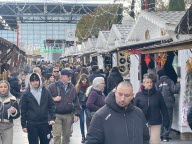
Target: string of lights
<point>88,11</point>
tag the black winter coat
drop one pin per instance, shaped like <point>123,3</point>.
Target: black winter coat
<point>32,112</point>
<point>15,86</point>
<point>92,76</point>
<point>82,97</point>
<point>113,80</point>
<point>115,125</point>
<point>189,117</point>
<point>152,104</point>
<point>167,87</point>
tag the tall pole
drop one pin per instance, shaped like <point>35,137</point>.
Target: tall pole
<point>17,35</point>
<point>18,32</point>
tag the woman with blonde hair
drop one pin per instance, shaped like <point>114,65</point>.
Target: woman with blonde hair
<point>9,110</point>
<point>81,87</point>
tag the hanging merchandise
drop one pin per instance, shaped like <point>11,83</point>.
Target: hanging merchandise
<point>124,62</point>
<point>188,82</point>
<point>126,53</point>
<point>147,59</point>
<point>188,66</point>
<point>159,61</point>
<point>163,58</point>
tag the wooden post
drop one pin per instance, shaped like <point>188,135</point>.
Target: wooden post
<point>186,136</point>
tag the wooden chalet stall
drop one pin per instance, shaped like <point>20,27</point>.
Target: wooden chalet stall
<point>11,56</point>
<point>176,59</point>
<point>181,50</point>
<point>90,49</point>
<point>85,55</point>
<point>168,53</point>
<point>105,58</point>
<point>178,56</point>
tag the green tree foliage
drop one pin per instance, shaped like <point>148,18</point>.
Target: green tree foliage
<point>102,17</point>
<point>132,13</point>
<point>176,5</point>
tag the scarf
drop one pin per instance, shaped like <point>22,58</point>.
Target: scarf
<point>83,87</point>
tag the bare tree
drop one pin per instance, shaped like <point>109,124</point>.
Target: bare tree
<point>161,5</point>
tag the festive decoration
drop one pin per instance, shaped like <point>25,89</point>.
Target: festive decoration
<point>99,19</point>
<point>162,58</point>
<point>126,53</point>
<point>135,51</point>
<point>188,66</point>
<point>146,5</point>
<point>159,61</point>
<point>147,59</point>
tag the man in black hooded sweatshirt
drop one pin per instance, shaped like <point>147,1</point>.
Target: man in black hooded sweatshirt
<point>168,88</point>
<point>37,111</point>
<point>118,121</point>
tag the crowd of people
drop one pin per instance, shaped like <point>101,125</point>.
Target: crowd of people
<point>50,97</point>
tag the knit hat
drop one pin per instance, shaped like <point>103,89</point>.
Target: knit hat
<point>97,81</point>
<point>34,77</point>
<point>161,72</point>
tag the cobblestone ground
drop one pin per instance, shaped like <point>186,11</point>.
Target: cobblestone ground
<point>21,138</point>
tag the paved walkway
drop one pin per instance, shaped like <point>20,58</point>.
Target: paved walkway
<point>21,138</point>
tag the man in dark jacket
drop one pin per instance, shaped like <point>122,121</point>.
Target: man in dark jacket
<point>118,121</point>
<point>37,111</point>
<point>15,85</point>
<point>95,73</point>
<point>67,105</point>
<point>167,87</point>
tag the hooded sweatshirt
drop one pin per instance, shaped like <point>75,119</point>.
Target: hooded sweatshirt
<point>37,106</point>
<point>112,124</point>
<point>36,91</point>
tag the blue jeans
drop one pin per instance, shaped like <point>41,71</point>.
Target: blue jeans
<point>82,120</point>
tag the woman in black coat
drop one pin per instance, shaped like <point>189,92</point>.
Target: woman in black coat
<point>113,79</point>
<point>152,104</point>
<point>189,117</point>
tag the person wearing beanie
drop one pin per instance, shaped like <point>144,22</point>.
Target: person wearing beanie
<point>50,79</point>
<point>95,99</point>
<point>9,110</point>
<point>168,88</point>
<point>37,111</point>
<point>161,73</point>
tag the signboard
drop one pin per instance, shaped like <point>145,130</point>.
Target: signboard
<point>53,50</point>
<point>70,35</point>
